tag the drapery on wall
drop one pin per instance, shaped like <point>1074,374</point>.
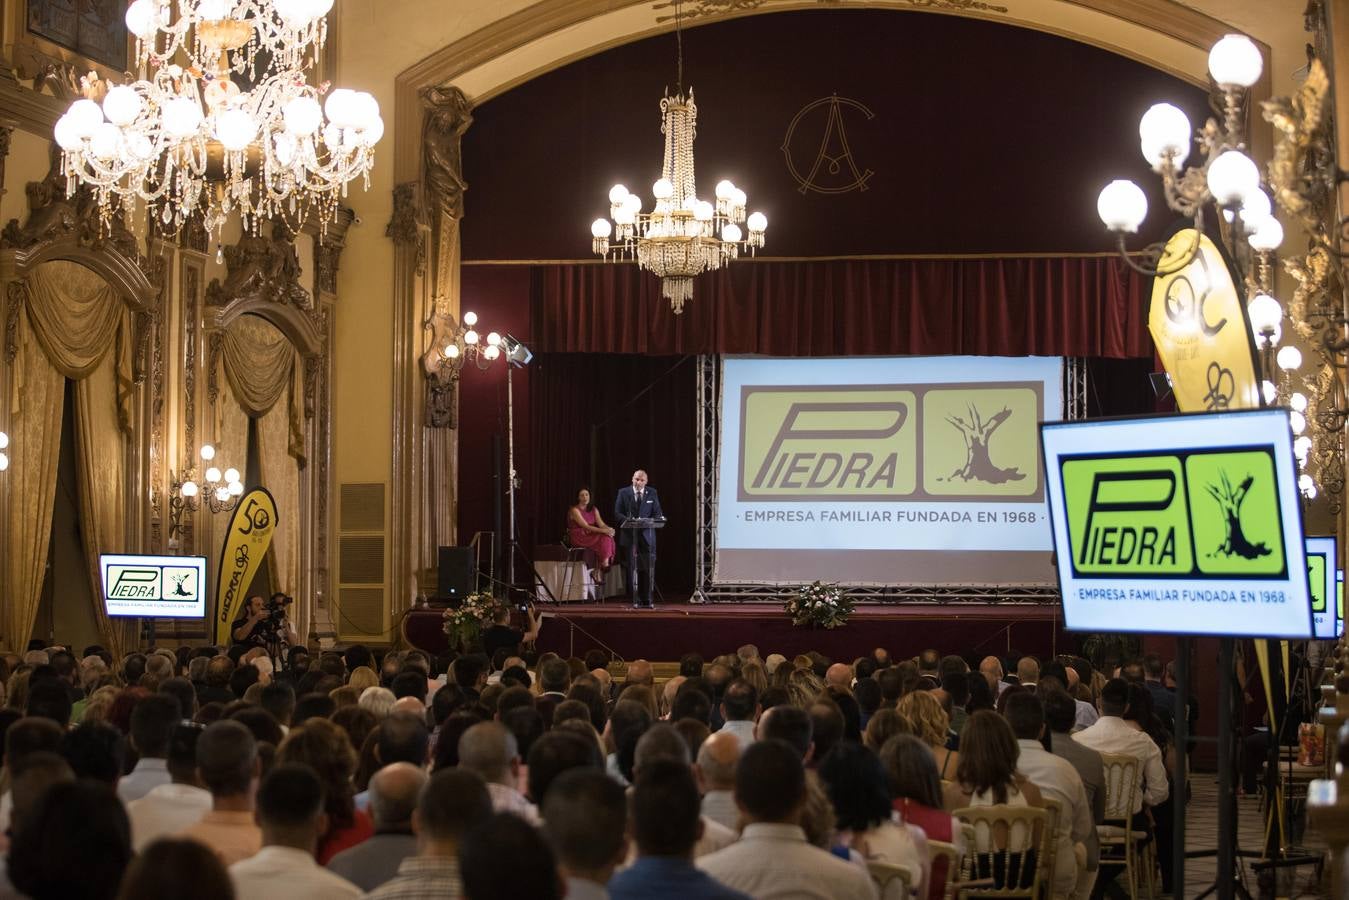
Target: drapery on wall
<point>72,325</point>
<point>573,393</point>
<point>1080,306</point>
<point>262,369</point>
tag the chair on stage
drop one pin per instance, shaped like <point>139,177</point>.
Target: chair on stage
<point>563,569</point>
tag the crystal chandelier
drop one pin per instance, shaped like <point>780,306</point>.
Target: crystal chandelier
<point>222,118</point>
<point>683,236</point>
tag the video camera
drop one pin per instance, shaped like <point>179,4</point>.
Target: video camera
<point>275,607</point>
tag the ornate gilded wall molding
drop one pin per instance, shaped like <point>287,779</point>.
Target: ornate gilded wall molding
<point>448,115</point>
<point>6,132</point>
<point>407,225</point>
<point>265,269</point>
<point>15,295</point>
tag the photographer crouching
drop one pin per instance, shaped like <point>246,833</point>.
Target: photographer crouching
<point>264,624</point>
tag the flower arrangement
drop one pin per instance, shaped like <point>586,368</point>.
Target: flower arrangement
<point>465,623</point>
<point>819,605</point>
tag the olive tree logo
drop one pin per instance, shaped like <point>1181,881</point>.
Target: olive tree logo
<point>1230,499</point>
<point>977,432</point>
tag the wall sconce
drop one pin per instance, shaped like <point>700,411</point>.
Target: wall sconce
<point>4,445</point>
<point>220,491</point>
<point>454,344</point>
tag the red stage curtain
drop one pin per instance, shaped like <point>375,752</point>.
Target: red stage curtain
<point>596,418</point>
<point>1093,307</point>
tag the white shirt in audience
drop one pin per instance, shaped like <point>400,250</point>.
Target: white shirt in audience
<point>898,844</point>
<point>149,773</point>
<point>165,810</point>
<point>741,728</point>
<point>285,873</point>
<point>1086,715</point>
<point>1058,780</point>
<point>719,806</point>
<point>509,800</point>
<point>1114,735</point>
<point>776,862</point>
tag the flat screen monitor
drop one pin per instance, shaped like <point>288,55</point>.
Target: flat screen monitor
<point>1187,524</point>
<point>154,586</point>
<point>1339,602</point>
<point>1321,582</point>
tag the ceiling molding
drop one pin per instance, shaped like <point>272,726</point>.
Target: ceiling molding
<point>548,17</point>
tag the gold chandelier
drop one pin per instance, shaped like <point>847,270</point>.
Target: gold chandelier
<point>683,235</point>
<point>222,118</point>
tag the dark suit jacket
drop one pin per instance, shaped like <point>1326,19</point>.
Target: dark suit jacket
<point>625,507</point>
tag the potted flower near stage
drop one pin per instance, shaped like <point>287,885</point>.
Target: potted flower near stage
<point>819,606</point>
<point>464,624</point>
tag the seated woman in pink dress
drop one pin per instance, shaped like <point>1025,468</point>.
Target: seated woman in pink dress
<point>587,530</point>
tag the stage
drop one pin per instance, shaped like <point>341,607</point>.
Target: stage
<point>673,629</point>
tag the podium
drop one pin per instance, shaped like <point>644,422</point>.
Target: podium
<point>641,566</point>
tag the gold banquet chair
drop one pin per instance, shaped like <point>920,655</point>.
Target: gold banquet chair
<point>1009,846</point>
<point>1118,838</point>
<point>893,881</point>
<point>1055,810</point>
<point>940,851</point>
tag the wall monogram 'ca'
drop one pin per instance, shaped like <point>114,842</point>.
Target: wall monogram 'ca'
<point>831,168</point>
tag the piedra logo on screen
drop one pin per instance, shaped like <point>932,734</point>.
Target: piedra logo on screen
<point>1197,514</point>
<point>891,442</point>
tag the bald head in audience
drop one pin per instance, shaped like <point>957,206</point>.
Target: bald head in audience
<point>639,672</point>
<point>839,675</point>
<point>716,761</point>
<point>991,669</point>
<point>490,750</point>
<point>394,790</point>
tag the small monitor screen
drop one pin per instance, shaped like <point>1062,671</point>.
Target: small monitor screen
<point>1321,582</point>
<point>154,586</point>
<point>1187,524</point>
<point>1339,602</point>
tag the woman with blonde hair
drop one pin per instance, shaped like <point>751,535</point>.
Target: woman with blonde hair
<point>803,686</point>
<point>753,672</point>
<point>363,677</point>
<point>926,713</point>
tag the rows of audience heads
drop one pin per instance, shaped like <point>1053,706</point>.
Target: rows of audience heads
<point>523,771</point>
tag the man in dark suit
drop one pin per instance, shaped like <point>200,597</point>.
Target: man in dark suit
<point>638,502</point>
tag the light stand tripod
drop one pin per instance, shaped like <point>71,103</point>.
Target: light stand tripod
<point>517,357</point>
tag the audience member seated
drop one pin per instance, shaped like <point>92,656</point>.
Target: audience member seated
<point>1057,780</point>
<point>927,714</point>
<point>489,750</point>
<point>176,870</point>
<point>402,738</point>
<point>717,758</point>
<point>1060,717</point>
<point>667,825</point>
<point>855,782</point>
<point>1112,734</point>
<point>76,842</point>
<point>452,803</point>
<point>290,811</point>
<point>393,795</point>
<point>585,818</point>
<point>152,725</point>
<point>324,747</point>
<point>506,858</point>
<point>228,766</point>
<point>663,742</point>
<point>773,856</point>
<point>557,752</point>
<point>586,531</point>
<point>740,710</point>
<point>168,809</point>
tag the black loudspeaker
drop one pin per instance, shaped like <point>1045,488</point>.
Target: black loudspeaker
<point>457,573</point>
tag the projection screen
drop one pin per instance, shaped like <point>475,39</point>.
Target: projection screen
<point>885,470</point>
